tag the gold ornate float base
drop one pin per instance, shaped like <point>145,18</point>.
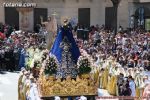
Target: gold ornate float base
<point>48,87</point>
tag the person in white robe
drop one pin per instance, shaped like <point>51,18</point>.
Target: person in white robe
<point>146,92</point>
<point>83,98</point>
<point>132,86</point>
<point>97,62</point>
<point>33,92</point>
<point>57,98</point>
<point>20,84</point>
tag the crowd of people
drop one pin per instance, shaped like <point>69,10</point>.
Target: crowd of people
<point>17,51</point>
<point>120,61</point>
<point>13,48</point>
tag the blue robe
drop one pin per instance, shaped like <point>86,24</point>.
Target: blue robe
<point>22,59</point>
<point>57,51</point>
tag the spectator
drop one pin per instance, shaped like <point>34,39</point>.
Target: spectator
<point>132,86</point>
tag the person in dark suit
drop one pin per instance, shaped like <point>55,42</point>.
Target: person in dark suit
<point>126,89</point>
<point>1,28</point>
<point>16,56</point>
<point>9,60</point>
<point>10,30</point>
<point>37,28</point>
<point>1,59</point>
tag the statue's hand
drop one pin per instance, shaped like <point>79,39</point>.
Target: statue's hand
<point>41,17</point>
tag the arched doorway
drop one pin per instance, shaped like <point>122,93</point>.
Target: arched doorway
<point>142,17</point>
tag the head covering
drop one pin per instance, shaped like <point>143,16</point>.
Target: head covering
<point>25,72</point>
<point>57,98</point>
<point>130,68</point>
<point>141,68</point>
<point>147,82</point>
<point>137,72</point>
<point>31,76</point>
<point>22,69</point>
<point>83,98</point>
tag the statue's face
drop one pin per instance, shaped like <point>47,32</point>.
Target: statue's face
<point>65,20</point>
<point>68,78</point>
<point>49,18</point>
<point>66,47</point>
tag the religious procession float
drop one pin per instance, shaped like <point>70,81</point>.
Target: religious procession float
<point>65,71</point>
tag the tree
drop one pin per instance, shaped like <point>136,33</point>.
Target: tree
<point>115,2</point>
<point>115,10</point>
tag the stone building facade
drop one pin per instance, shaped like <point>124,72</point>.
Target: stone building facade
<point>90,12</point>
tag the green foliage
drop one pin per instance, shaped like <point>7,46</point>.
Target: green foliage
<point>84,66</point>
<point>51,66</point>
<point>37,64</point>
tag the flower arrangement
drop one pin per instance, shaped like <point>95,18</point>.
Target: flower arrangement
<point>36,69</point>
<point>37,64</point>
<point>84,65</point>
<point>51,66</point>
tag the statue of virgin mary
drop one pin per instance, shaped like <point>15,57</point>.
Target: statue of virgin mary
<point>66,52</point>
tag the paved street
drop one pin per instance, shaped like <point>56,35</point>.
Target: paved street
<point>8,86</point>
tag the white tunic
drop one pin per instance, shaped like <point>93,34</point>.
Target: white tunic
<point>132,87</point>
<point>33,95</point>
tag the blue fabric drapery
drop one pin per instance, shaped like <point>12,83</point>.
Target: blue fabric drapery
<point>57,51</point>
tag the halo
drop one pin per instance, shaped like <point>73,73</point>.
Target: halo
<point>64,18</point>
